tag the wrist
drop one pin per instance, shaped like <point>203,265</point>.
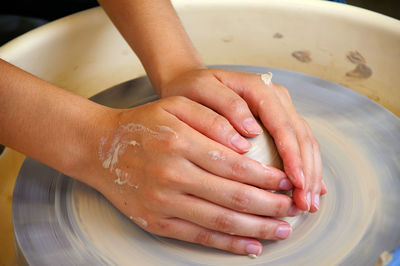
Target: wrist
<point>165,80</point>
<point>81,159</point>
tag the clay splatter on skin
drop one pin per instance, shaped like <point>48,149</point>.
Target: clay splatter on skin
<point>362,70</point>
<point>162,134</point>
<point>139,221</point>
<point>120,143</point>
<point>281,146</point>
<point>119,174</point>
<point>134,143</point>
<point>168,129</point>
<point>216,155</point>
<point>118,181</point>
<point>267,78</point>
<point>118,146</point>
<point>252,256</point>
<point>302,56</point>
<point>277,36</point>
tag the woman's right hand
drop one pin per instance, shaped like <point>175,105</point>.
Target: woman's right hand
<point>161,165</point>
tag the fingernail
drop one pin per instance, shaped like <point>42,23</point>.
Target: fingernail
<point>283,231</point>
<point>293,211</point>
<point>251,126</point>
<point>285,184</point>
<point>240,143</point>
<point>253,249</point>
<point>324,185</point>
<point>302,179</point>
<point>308,199</point>
<point>316,201</point>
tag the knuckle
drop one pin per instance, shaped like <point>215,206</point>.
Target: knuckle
<point>316,145</point>
<point>240,200</point>
<point>280,87</point>
<point>177,99</point>
<point>316,189</point>
<point>236,104</point>
<point>283,128</point>
<point>265,232</point>
<point>233,245</point>
<point>224,222</point>
<point>306,140</point>
<point>161,172</point>
<point>160,199</point>
<point>171,144</point>
<point>160,227</point>
<point>219,124</point>
<point>171,178</point>
<point>204,237</point>
<point>281,207</point>
<point>283,90</point>
<point>157,201</point>
<point>238,168</point>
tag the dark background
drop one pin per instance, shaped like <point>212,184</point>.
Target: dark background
<point>390,8</point>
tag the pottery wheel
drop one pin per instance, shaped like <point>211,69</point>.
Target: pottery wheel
<point>359,217</point>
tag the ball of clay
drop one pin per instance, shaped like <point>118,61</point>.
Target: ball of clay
<point>263,149</point>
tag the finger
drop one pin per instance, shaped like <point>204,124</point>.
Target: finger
<point>316,184</point>
<point>228,103</point>
<point>220,219</point>
<point>309,151</point>
<point>221,161</point>
<point>312,165</point>
<point>207,122</point>
<point>264,102</point>
<point>277,122</point>
<point>240,197</point>
<point>190,232</point>
<point>324,189</point>
<point>305,197</point>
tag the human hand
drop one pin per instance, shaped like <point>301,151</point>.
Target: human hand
<point>240,97</point>
<point>172,179</point>
<point>176,180</point>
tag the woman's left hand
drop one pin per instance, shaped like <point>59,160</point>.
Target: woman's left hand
<point>243,97</point>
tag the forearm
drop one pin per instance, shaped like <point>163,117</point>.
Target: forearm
<point>44,121</point>
<point>154,31</point>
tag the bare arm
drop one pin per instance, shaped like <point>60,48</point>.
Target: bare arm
<point>43,121</point>
<point>155,33</point>
<point>153,30</point>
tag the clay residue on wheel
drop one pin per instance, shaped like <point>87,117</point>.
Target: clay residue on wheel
<point>384,259</point>
<point>302,56</point>
<point>278,35</point>
<point>356,58</point>
<point>362,70</point>
<point>374,97</point>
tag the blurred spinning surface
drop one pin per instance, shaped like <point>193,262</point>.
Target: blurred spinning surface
<point>60,221</point>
